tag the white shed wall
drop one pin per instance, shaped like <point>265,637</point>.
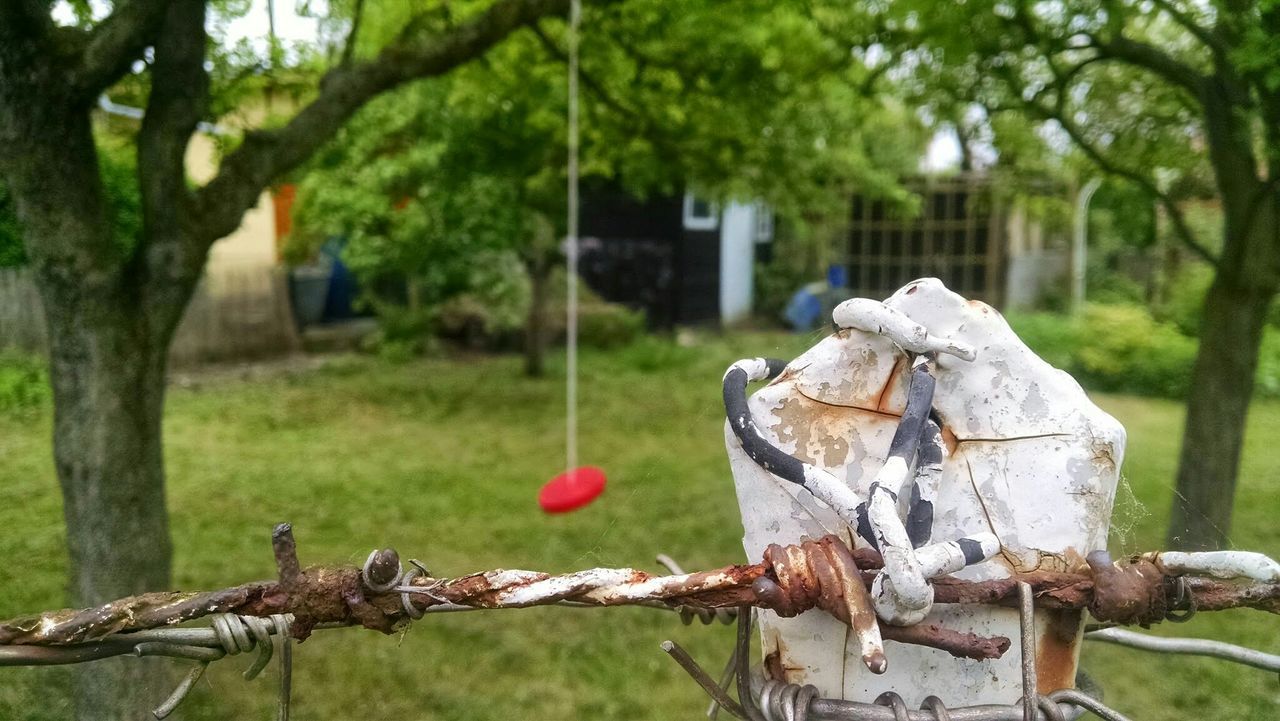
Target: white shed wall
<point>737,261</point>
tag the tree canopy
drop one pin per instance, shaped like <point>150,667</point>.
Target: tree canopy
<point>748,100</point>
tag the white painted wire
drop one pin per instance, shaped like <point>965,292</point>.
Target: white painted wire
<point>571,281</point>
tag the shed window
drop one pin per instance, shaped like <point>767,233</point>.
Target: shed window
<point>700,214</point>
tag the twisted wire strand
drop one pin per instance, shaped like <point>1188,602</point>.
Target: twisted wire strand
<point>232,635</point>
<point>895,702</point>
<point>782,701</point>
<point>766,699</point>
<point>707,616</point>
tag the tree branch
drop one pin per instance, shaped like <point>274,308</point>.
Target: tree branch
<point>1201,33</point>
<point>216,208</point>
<point>1153,59</point>
<point>1142,55</point>
<point>115,43</point>
<point>667,149</point>
<point>179,97</point>
<point>349,49</point>
<point>588,79</point>
<point>1108,165</point>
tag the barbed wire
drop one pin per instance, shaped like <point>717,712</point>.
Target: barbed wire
<point>824,574</point>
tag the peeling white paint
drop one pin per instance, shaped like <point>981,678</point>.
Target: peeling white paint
<point>1223,564</point>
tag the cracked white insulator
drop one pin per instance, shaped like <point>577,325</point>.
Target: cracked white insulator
<point>1028,460</point>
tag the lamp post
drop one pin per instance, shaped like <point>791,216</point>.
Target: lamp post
<point>1079,243</point>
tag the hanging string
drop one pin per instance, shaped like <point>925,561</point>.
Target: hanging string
<point>571,281</point>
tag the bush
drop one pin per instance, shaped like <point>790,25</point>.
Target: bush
<point>1267,379</point>
<point>1124,349</point>
<point>24,382</point>
<point>609,325</point>
<point>1055,338</point>
<point>493,309</point>
<point>775,283</point>
<point>1118,348</point>
<point>654,354</point>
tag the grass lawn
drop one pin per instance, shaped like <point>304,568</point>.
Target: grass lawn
<point>443,459</point>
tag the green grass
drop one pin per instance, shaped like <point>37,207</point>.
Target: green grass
<point>442,460</point>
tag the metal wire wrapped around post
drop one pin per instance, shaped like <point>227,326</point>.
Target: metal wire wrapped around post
<point>233,635</point>
<point>774,700</point>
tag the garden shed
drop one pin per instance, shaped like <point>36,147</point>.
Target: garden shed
<point>682,259</point>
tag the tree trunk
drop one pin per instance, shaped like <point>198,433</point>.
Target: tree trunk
<point>108,338</point>
<point>535,331</point>
<point>109,322</point>
<point>1235,314</point>
<point>108,377</point>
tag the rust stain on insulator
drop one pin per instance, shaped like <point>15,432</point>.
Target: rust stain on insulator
<point>1058,651</point>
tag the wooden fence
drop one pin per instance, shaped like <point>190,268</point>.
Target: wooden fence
<point>957,237</point>
<point>236,313</point>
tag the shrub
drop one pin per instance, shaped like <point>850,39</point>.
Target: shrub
<point>652,354</point>
<point>120,189</point>
<point>1055,338</point>
<point>11,251</point>
<point>493,307</point>
<point>1267,378</point>
<point>1184,306</point>
<point>1124,349</point>
<point>1113,348</point>
<point>775,283</point>
<point>24,382</point>
<point>609,325</point>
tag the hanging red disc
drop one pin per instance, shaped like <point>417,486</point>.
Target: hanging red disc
<point>572,489</point>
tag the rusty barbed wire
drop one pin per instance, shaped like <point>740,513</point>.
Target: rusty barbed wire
<point>1129,591</point>
<point>381,595</point>
<point>707,616</point>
